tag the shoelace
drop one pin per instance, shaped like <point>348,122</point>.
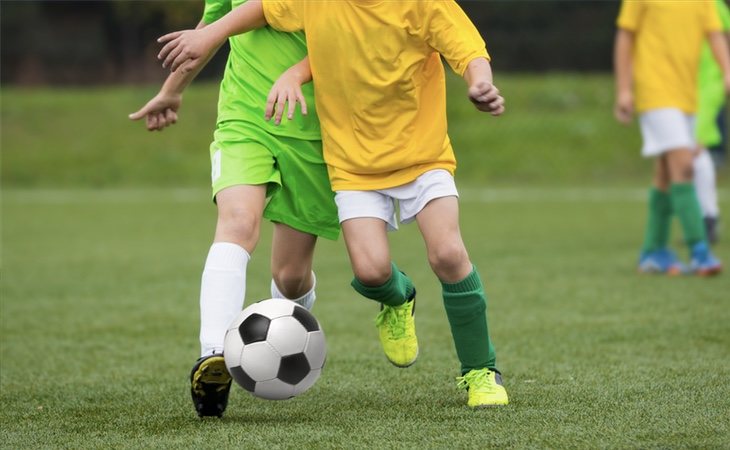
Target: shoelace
<point>395,317</point>
<point>477,379</point>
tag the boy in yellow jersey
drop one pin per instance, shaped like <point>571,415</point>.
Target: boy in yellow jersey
<point>252,160</point>
<point>656,59</point>
<point>381,100</point>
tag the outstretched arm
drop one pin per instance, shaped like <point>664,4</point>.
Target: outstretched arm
<point>288,89</point>
<point>719,44</point>
<point>188,48</point>
<point>482,93</point>
<point>161,110</point>
<point>622,54</point>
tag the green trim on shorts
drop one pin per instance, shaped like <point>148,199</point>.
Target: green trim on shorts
<point>298,188</point>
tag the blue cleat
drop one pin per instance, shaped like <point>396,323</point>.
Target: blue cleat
<point>662,261</point>
<point>703,262</point>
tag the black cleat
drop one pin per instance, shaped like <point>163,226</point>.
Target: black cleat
<point>210,384</point>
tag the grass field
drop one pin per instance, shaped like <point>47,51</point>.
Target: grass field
<point>105,229</point>
<point>99,329</point>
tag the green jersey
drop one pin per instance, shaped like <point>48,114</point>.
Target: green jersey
<point>711,88</point>
<point>255,62</point>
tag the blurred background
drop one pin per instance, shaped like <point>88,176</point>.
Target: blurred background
<point>72,70</point>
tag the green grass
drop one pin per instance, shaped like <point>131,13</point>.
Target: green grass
<point>99,320</point>
<point>558,129</point>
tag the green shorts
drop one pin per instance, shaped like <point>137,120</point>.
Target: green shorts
<point>298,188</point>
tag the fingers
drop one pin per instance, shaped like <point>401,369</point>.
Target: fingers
<point>270,105</point>
<point>277,102</point>
<point>139,114</point>
<point>171,44</point>
<point>280,105</point>
<point>170,55</point>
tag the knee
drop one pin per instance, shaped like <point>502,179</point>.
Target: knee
<point>448,259</point>
<point>372,274</point>
<point>239,224</point>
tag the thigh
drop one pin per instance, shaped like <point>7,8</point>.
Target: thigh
<point>439,225</point>
<point>366,239</point>
<point>240,209</point>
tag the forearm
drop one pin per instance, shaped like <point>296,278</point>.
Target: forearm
<point>302,71</point>
<point>719,45</point>
<point>241,19</point>
<point>478,70</point>
<point>622,55</point>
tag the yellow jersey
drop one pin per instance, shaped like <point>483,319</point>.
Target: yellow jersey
<point>668,37</point>
<point>380,84</point>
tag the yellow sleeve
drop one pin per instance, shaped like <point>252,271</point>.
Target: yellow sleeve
<point>450,32</point>
<point>284,15</point>
<point>712,18</point>
<point>630,15</point>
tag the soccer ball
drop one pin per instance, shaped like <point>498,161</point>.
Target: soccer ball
<point>275,349</point>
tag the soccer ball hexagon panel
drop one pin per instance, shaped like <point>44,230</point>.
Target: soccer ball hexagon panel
<point>275,349</point>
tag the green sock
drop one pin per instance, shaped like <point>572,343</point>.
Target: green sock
<point>466,307</point>
<point>687,208</point>
<point>393,292</point>
<point>659,221</point>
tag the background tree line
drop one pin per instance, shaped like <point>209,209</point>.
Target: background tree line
<point>101,42</point>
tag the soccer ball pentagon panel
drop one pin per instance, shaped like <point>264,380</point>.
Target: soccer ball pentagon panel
<point>275,349</point>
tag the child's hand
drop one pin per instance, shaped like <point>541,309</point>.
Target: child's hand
<point>187,47</point>
<point>287,89</point>
<point>160,112</point>
<point>623,110</point>
<point>486,98</point>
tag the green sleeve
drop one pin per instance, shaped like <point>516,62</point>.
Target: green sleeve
<point>724,12</point>
<point>215,9</point>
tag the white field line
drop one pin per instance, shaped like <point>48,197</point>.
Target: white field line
<point>184,195</point>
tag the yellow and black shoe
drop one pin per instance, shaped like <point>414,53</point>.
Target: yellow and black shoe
<point>397,331</point>
<point>210,384</point>
<point>484,387</point>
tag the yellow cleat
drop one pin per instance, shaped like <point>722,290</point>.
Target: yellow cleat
<point>397,330</point>
<point>484,387</point>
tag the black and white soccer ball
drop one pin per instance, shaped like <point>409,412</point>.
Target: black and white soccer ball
<point>275,349</point>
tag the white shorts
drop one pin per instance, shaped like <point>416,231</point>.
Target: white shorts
<point>411,198</point>
<point>666,129</point>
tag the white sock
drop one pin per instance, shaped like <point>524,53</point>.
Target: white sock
<point>306,300</point>
<point>222,290</point>
<point>705,184</point>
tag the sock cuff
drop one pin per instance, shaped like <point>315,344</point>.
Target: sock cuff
<point>275,290</point>
<point>470,283</point>
<point>226,256</point>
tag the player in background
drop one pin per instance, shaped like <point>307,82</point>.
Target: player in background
<point>252,160</point>
<point>711,132</point>
<point>656,59</point>
<point>381,101</point>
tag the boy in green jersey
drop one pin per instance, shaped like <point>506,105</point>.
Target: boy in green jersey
<point>254,160</point>
<point>710,130</point>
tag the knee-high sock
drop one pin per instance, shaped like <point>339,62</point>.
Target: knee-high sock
<point>306,300</point>
<point>466,309</point>
<point>222,291</point>
<point>705,184</point>
<point>393,292</point>
<point>687,208</point>
<point>658,221</point>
